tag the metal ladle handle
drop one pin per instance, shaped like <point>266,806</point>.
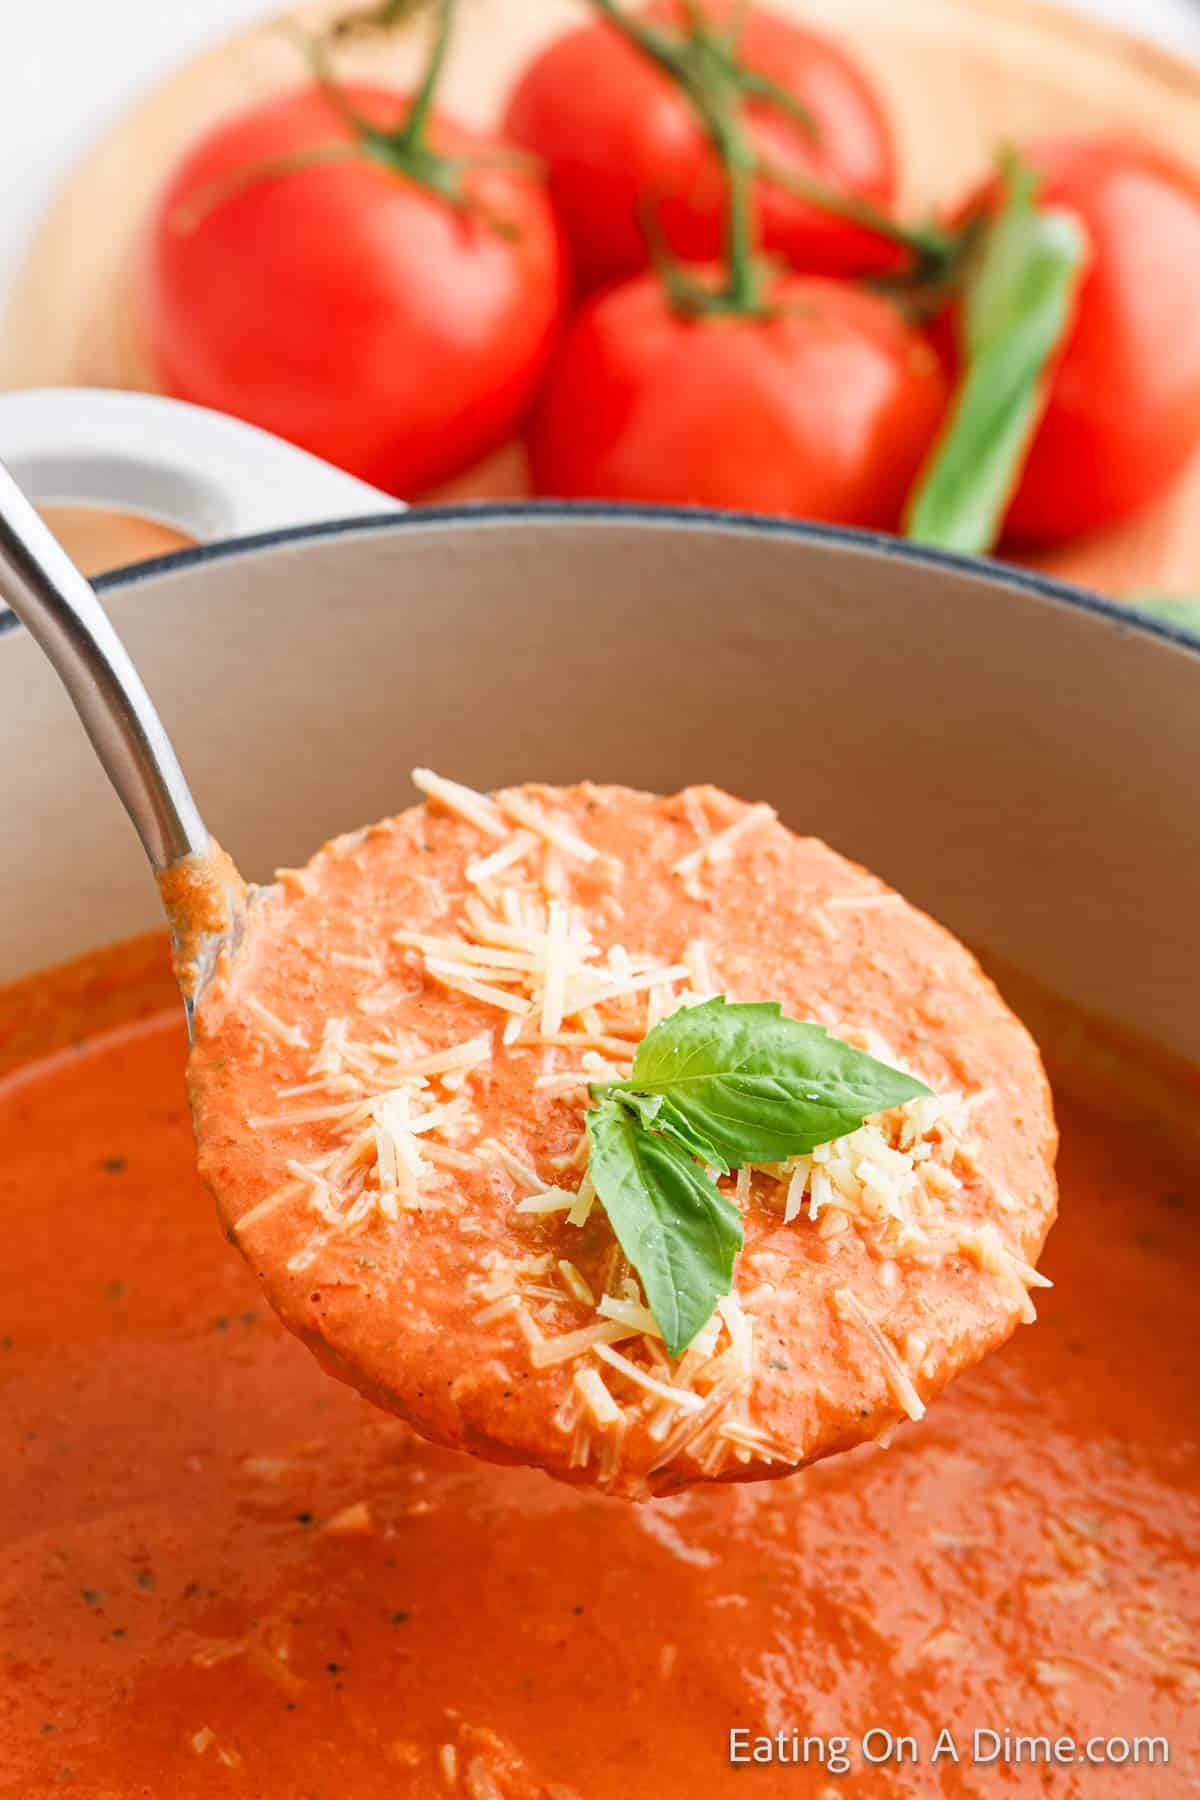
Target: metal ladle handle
<point>59,608</point>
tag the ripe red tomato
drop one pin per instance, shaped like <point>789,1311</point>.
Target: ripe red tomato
<point>616,134</point>
<point>1122,412</point>
<point>822,410</point>
<point>344,306</point>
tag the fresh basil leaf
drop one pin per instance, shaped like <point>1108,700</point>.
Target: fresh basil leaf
<point>657,1114</point>
<point>1017,308</point>
<point>749,1085</point>
<point>1176,609</point>
<point>678,1230</point>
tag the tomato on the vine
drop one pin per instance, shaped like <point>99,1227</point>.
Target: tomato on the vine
<point>627,153</point>
<point>1122,408</point>
<point>295,277</point>
<point>823,407</point>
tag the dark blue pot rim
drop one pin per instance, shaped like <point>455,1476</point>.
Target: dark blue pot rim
<point>991,573</point>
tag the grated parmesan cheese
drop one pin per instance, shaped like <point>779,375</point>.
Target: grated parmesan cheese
<point>571,1344</point>
<point>550,1200</point>
<point>631,1313</point>
<point>719,847</point>
<point>500,861</point>
<point>574,1282</point>
<point>494,1151</point>
<point>895,1371</point>
<point>554,991</point>
<point>274,1026</point>
<point>683,1398</point>
<point>524,813</point>
<point>597,1399</point>
<point>453,975</point>
<point>862,902</point>
<point>476,808</point>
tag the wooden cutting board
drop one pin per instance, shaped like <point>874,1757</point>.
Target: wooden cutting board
<point>958,75</point>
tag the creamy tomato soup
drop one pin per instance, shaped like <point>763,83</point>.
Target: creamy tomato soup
<point>222,1573</point>
<point>391,1088</point>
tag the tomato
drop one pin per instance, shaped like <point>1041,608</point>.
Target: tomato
<point>617,136</point>
<point>1122,413</point>
<point>341,304</point>
<point>822,409</point>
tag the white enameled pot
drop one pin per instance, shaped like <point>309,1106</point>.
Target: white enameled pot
<point>1018,757</point>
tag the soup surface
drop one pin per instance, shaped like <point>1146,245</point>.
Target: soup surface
<point>223,1573</point>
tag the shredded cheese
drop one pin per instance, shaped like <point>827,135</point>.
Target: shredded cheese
<point>895,1372</point>
<point>683,1398</point>
<point>550,1200</point>
<point>554,991</point>
<point>597,1399</point>
<point>631,1313</point>
<point>476,808</point>
<point>507,857</point>
<point>455,976</point>
<point>273,1025</point>
<point>720,846</point>
<point>524,813</point>
<point>862,902</point>
<point>571,1344</point>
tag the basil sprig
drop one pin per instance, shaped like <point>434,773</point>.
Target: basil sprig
<point>674,1224</point>
<point>720,1085</point>
<point>1016,311</point>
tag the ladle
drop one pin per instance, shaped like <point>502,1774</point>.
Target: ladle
<point>59,607</point>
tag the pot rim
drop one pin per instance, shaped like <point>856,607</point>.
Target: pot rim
<point>984,570</point>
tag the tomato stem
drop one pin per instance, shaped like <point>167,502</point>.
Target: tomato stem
<point>702,65</point>
<point>383,17</point>
<point>705,65</point>
<point>760,87</point>
<point>406,150</point>
<point>745,288</point>
<point>930,248</point>
<point>412,137</point>
<point>661,46</point>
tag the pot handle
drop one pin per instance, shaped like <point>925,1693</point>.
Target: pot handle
<point>202,472</point>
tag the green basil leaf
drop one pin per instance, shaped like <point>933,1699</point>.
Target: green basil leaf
<point>676,1227</point>
<point>746,1084</point>
<point>657,1114</point>
<point>1017,308</point>
<point>1176,609</point>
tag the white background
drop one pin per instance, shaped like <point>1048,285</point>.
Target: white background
<point>68,70</point>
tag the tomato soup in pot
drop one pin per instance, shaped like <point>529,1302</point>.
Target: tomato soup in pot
<point>222,1572</point>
